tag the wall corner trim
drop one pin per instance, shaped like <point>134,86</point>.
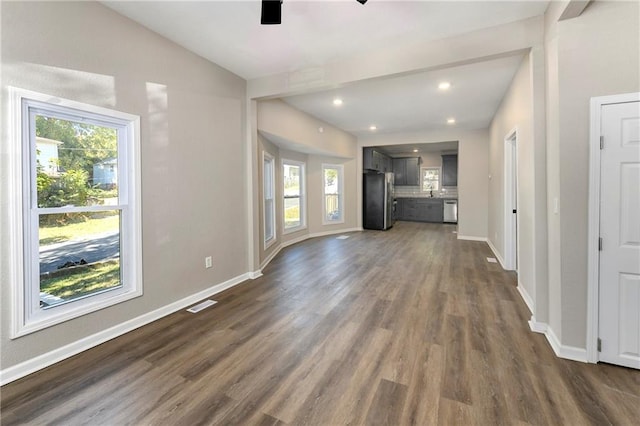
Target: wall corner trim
<point>562,351</point>
<point>39,362</point>
<point>498,256</point>
<point>526,297</point>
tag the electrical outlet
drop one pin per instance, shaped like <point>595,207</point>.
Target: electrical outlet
<point>208,262</point>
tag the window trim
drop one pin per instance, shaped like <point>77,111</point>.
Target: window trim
<point>269,242</point>
<point>422,170</point>
<point>302,197</point>
<point>23,319</point>
<point>340,169</point>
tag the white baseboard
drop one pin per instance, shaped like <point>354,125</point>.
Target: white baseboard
<point>32,365</point>
<point>255,274</point>
<point>561,351</point>
<point>537,327</point>
<point>470,238</point>
<point>334,232</point>
<point>496,253</point>
<point>525,296</point>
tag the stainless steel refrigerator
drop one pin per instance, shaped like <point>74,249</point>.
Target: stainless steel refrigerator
<point>378,198</point>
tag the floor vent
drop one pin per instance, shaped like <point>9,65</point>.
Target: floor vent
<point>492,260</point>
<point>201,306</point>
<point>342,237</point>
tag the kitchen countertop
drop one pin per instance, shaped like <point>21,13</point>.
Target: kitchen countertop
<point>446,197</point>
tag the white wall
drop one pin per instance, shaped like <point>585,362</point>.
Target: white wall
<point>193,180</point>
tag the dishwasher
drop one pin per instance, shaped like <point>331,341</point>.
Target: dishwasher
<point>450,213</point>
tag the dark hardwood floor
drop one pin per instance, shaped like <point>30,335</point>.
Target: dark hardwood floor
<point>407,326</point>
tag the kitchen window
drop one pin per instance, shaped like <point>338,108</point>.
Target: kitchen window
<point>78,209</point>
<point>294,195</point>
<point>332,200</point>
<point>430,179</point>
<point>268,181</point>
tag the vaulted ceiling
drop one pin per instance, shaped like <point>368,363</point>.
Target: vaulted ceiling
<point>315,33</point>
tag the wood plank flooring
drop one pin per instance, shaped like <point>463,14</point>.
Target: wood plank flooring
<point>404,327</point>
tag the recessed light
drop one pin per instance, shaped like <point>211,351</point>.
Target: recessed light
<point>444,85</point>
<point>337,101</point>
<point>451,121</point>
<point>415,150</point>
<point>372,128</point>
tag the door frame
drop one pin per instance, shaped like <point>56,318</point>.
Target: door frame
<point>593,265</point>
<point>511,224</point>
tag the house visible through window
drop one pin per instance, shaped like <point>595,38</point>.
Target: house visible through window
<point>430,178</point>
<point>294,203</point>
<point>268,182</point>
<point>332,200</point>
<point>80,216</point>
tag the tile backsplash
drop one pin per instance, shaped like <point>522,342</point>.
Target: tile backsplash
<point>409,191</point>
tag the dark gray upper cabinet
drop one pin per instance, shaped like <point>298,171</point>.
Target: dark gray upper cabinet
<point>413,171</point>
<point>375,160</point>
<point>407,171</point>
<point>399,171</point>
<point>388,164</point>
<point>450,170</point>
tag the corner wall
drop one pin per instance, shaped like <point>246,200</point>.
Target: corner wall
<point>598,55</point>
<point>288,133</point>
<point>192,115</point>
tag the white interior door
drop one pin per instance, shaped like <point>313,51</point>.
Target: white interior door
<point>619,280</point>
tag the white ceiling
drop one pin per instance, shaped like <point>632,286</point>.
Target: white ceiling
<point>319,32</point>
<point>413,102</point>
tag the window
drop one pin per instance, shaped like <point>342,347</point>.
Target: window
<point>268,182</point>
<point>294,203</point>
<point>430,178</point>
<point>333,189</point>
<point>81,242</point>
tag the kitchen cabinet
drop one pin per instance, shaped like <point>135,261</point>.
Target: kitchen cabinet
<point>375,160</point>
<point>420,209</point>
<point>450,170</point>
<point>388,164</point>
<point>407,171</point>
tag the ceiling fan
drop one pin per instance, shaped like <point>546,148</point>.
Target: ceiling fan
<point>272,11</point>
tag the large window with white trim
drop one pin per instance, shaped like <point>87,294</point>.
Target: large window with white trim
<point>81,245</point>
<point>294,195</point>
<point>268,192</point>
<point>332,200</point>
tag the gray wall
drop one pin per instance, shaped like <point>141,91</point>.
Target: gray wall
<point>597,54</point>
<point>288,133</point>
<point>191,111</point>
<point>515,112</point>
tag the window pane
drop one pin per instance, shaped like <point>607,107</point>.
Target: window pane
<point>76,163</point>
<point>292,212</point>
<point>79,255</point>
<point>331,181</point>
<point>332,203</point>
<point>430,179</point>
<point>268,220</point>
<point>291,180</point>
<point>331,194</point>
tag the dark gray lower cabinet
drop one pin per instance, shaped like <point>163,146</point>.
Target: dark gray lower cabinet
<point>419,209</point>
